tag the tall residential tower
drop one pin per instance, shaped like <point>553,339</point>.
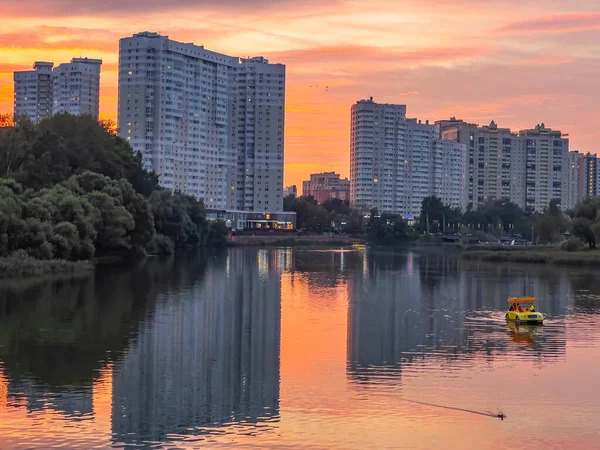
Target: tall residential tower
<point>208,124</point>
<point>72,88</point>
<point>76,87</point>
<point>396,162</point>
<point>529,168</point>
<point>33,92</point>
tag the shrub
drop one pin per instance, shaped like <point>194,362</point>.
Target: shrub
<point>573,244</point>
<point>161,245</point>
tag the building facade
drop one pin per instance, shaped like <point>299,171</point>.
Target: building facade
<point>326,185</point>
<point>496,168</point>
<point>530,168</point>
<point>547,162</point>
<point>76,87</point>
<point>33,92</point>
<point>208,124</point>
<point>396,162</point>
<point>290,190</point>
<point>72,88</point>
<point>576,179</point>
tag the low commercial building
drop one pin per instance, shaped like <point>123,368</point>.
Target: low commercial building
<point>254,220</point>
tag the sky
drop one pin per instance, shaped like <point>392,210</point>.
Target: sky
<point>519,63</point>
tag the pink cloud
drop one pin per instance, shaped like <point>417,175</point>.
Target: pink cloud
<point>554,24</point>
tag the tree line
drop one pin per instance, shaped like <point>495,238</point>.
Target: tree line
<point>495,219</point>
<point>71,188</point>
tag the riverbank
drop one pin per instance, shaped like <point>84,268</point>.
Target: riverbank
<point>21,265</point>
<point>538,255</point>
<point>294,241</point>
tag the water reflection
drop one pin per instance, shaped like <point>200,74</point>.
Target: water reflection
<point>260,347</point>
<point>208,356</point>
<point>407,307</point>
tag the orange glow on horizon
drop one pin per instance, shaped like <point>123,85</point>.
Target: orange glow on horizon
<point>478,62</point>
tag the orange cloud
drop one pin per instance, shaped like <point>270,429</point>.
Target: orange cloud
<point>470,59</point>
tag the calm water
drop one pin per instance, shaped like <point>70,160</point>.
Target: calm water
<point>300,349</point>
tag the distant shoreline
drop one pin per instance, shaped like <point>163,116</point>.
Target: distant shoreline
<point>538,255</point>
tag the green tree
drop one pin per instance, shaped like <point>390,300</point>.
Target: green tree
<point>550,225</point>
<point>387,229</point>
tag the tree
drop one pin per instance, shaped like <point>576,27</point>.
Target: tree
<point>586,224</point>
<point>387,229</point>
<point>550,225</point>
<point>44,154</point>
<point>6,120</point>
<point>582,229</point>
<point>309,215</point>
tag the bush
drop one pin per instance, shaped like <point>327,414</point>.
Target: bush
<point>20,263</point>
<point>573,244</point>
<point>161,245</point>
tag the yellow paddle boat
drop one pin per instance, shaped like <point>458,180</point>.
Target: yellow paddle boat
<point>521,310</point>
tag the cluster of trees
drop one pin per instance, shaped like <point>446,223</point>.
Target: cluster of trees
<point>336,215</point>
<point>71,188</point>
<point>494,219</point>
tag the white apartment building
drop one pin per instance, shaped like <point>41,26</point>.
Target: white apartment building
<point>72,87</point>
<point>208,124</point>
<point>576,179</point>
<point>396,162</point>
<point>529,168</point>
<point>33,92</point>
<point>547,162</point>
<point>76,87</point>
<point>496,167</point>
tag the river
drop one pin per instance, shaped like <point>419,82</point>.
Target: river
<point>296,348</point>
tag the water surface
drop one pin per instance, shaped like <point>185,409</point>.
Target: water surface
<point>290,348</point>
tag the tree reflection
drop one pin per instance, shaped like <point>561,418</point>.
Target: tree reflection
<point>56,334</point>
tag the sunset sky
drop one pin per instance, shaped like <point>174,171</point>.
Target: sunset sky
<point>519,63</point>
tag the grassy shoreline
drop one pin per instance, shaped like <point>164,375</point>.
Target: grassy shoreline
<point>543,255</point>
<point>20,265</point>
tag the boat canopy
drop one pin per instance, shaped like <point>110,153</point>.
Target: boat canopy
<point>521,300</point>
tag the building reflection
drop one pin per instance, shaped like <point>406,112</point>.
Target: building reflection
<point>208,357</point>
<point>408,308</point>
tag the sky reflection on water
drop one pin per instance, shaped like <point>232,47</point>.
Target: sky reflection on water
<point>290,348</point>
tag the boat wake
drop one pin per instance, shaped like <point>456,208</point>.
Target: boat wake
<point>500,415</point>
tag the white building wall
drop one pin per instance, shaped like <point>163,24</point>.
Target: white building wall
<point>33,92</point>
<point>450,162</point>
<point>76,87</point>
<point>575,187</point>
<point>546,168</point>
<point>396,162</point>
<point>204,121</point>
<point>376,155</point>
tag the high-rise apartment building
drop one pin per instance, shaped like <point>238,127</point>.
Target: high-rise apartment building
<point>576,179</point>
<point>496,169</point>
<point>396,162</point>
<point>76,87</point>
<point>325,185</point>
<point>33,92</point>
<point>583,178</point>
<point>208,124</point>
<point>72,88</point>
<point>547,161</point>
<point>529,168</point>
